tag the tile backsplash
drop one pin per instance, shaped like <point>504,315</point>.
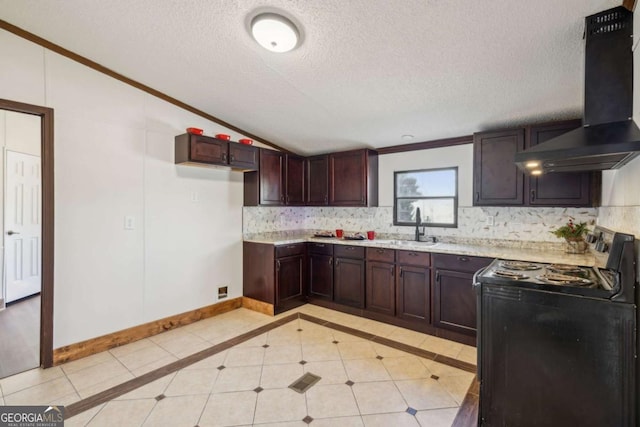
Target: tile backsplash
<point>510,223</point>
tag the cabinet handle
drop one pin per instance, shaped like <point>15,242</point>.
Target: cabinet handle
<point>232,157</point>
<point>463,258</point>
<point>278,265</point>
<point>330,261</point>
<point>326,198</point>
<point>380,251</point>
<point>437,276</point>
<point>350,248</point>
<point>337,262</point>
<point>224,157</point>
<point>533,195</point>
<point>413,254</point>
<point>288,198</point>
<point>319,245</point>
<point>477,196</point>
<point>401,271</point>
<point>282,198</point>
<point>291,246</point>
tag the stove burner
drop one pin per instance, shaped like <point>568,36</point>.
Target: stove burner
<point>510,274</point>
<point>519,265</point>
<point>565,268</point>
<point>563,279</point>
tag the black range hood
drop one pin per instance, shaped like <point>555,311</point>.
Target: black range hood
<point>608,138</point>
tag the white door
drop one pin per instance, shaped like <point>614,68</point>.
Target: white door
<point>22,225</point>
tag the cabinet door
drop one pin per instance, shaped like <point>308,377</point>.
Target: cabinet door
<point>271,177</point>
<point>317,184</point>
<point>243,156</point>
<point>380,287</point>
<point>454,301</point>
<point>321,276</point>
<point>295,175</point>
<point>558,188</point>
<point>413,293</point>
<point>348,286</point>
<point>289,281</point>
<point>348,178</point>
<point>208,150</point>
<point>496,179</point>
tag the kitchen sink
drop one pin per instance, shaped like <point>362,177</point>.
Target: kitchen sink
<point>408,243</point>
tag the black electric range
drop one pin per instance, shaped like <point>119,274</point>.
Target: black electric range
<point>570,279</point>
<point>558,344</point>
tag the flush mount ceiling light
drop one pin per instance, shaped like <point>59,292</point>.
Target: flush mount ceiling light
<point>275,32</point>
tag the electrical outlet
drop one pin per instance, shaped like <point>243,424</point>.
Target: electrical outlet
<point>222,292</point>
<point>195,196</point>
<point>129,223</point>
<point>490,221</point>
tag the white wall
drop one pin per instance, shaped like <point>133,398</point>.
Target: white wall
<point>114,158</point>
<point>620,209</point>
<point>458,155</point>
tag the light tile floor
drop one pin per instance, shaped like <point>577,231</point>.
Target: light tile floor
<point>363,383</point>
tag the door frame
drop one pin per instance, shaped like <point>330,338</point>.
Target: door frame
<point>46,294</point>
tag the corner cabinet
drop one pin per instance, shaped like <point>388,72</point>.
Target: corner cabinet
<point>320,264</point>
<point>348,275</point>
<point>200,150</point>
<point>275,275</point>
<point>353,178</point>
<point>317,181</point>
<point>497,181</point>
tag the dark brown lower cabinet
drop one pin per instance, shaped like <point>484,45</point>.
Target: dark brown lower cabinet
<point>275,274</point>
<point>413,293</point>
<point>289,281</point>
<point>380,287</point>
<point>454,298</point>
<point>320,264</point>
<point>348,275</point>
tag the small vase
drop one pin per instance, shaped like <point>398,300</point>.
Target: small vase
<point>576,245</point>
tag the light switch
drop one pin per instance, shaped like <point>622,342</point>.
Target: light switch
<point>129,223</point>
<point>490,221</point>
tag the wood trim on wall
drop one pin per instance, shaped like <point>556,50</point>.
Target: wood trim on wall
<point>46,156</point>
<point>259,306</point>
<point>436,143</point>
<point>629,4</point>
<point>104,70</point>
<point>105,342</point>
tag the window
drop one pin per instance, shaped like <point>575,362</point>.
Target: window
<point>434,191</point>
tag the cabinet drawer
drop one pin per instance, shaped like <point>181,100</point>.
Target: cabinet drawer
<point>320,248</point>
<point>422,259</point>
<point>469,264</point>
<point>289,250</point>
<point>345,251</point>
<point>204,149</point>
<point>381,254</point>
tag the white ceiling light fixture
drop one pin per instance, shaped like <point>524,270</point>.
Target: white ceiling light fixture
<point>274,32</point>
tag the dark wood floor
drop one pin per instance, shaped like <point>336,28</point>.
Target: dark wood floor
<point>20,336</point>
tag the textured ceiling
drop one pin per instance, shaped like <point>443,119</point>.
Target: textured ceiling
<point>368,71</point>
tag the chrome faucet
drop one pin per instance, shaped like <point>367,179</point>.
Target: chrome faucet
<point>418,222</point>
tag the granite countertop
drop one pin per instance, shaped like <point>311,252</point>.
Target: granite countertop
<point>529,251</point>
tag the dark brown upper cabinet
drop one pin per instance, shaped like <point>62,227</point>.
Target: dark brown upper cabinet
<point>271,177</point>
<point>295,180</point>
<point>498,182</point>
<point>317,180</point>
<point>204,150</point>
<point>353,178</point>
<point>561,188</point>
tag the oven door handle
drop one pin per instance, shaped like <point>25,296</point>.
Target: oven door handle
<point>475,283</point>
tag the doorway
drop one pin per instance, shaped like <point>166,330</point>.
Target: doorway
<point>26,325</point>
